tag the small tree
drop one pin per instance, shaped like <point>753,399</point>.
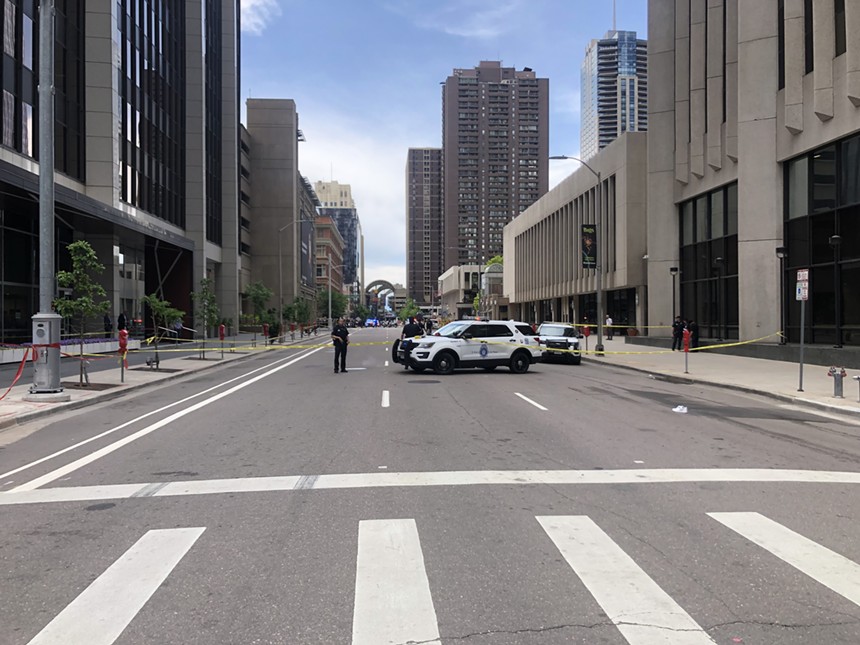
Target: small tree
<point>496,259</point>
<point>361,312</point>
<point>163,315</point>
<point>86,292</point>
<point>207,308</point>
<point>408,310</point>
<point>259,295</point>
<point>301,310</point>
<point>338,303</point>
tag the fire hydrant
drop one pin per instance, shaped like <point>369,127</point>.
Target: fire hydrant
<point>838,373</point>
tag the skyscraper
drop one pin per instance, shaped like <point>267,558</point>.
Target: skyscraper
<point>495,155</point>
<point>337,203</point>
<point>614,90</point>
<point>424,240</point>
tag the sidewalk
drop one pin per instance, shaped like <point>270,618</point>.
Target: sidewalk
<point>775,379</point>
<point>106,385</point>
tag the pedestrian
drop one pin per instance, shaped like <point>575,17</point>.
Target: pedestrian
<point>411,329</point>
<point>340,338</point>
<point>108,324</point>
<point>693,326</point>
<point>677,334</point>
<point>428,326</point>
<point>608,326</point>
<point>121,321</point>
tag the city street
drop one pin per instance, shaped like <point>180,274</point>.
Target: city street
<point>273,501</point>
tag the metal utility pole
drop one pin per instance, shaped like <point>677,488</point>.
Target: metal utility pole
<point>46,324</point>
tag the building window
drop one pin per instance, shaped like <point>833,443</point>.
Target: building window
<point>808,40</point>
<point>839,18</point>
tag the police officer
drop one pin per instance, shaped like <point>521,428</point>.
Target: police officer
<point>340,338</point>
<point>411,329</point>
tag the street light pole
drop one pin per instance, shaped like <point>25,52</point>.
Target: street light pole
<point>598,349</point>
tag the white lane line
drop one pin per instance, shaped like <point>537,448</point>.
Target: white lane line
<point>834,571</point>
<point>386,363</point>
<point>392,594</point>
<point>135,420</point>
<point>98,454</point>
<point>419,479</point>
<point>643,612</point>
<point>104,609</point>
<point>385,399</point>
<point>528,400</point>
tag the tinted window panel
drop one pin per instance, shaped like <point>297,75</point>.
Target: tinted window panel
<point>850,172</point>
<point>798,188</point>
<point>824,180</point>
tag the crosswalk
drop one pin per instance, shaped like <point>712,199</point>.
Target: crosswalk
<point>393,596</point>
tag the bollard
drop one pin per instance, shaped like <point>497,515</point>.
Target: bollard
<point>838,373</point>
<point>857,378</point>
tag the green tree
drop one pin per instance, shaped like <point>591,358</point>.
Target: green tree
<point>408,310</point>
<point>163,315</point>
<point>361,312</point>
<point>207,308</point>
<point>259,295</point>
<point>496,259</point>
<point>86,293</point>
<point>339,303</point>
<point>301,310</point>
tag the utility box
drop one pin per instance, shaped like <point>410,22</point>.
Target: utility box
<point>46,344</point>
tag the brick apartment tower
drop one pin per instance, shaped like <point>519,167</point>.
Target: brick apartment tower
<point>495,155</point>
<point>424,229</point>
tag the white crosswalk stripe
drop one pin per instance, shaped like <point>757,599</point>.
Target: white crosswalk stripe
<point>834,571</point>
<point>642,611</point>
<point>104,609</point>
<point>392,593</point>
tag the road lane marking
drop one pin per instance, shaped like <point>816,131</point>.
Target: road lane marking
<point>385,401</point>
<point>386,363</point>
<point>528,400</point>
<point>392,594</point>
<point>98,454</point>
<point>834,571</point>
<point>135,420</point>
<point>104,609</point>
<point>419,479</point>
<point>643,612</point>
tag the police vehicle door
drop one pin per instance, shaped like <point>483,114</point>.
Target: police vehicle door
<point>474,349</point>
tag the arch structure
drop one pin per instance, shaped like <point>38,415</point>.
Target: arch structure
<point>373,295</point>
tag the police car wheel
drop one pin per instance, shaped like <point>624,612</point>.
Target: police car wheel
<point>519,363</point>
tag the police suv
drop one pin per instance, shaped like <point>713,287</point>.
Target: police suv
<point>487,344</point>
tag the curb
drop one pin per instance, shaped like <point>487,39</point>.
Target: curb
<point>785,398</point>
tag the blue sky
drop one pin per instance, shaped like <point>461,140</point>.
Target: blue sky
<point>366,74</point>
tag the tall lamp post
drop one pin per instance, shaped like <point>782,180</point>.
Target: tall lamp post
<point>835,242</point>
<point>782,253</point>
<point>598,349</point>
<point>281,269</point>
<point>673,271</point>
<point>718,264</point>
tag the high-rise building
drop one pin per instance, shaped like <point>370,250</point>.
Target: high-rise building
<point>495,155</point>
<point>337,203</point>
<point>614,90</point>
<point>424,229</point>
<point>146,151</point>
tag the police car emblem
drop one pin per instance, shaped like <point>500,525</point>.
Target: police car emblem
<point>484,350</point>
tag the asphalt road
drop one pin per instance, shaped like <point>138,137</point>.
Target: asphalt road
<point>273,501</point>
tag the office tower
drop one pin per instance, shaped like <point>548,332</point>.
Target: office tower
<point>495,155</point>
<point>146,145</point>
<point>424,241</point>
<point>614,90</point>
<point>337,203</point>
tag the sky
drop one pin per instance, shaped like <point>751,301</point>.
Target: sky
<point>366,78</point>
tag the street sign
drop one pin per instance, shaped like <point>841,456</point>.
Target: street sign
<point>802,291</point>
<point>803,275</point>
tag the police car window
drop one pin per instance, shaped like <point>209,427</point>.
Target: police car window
<point>499,331</point>
<point>477,331</point>
<point>526,330</point>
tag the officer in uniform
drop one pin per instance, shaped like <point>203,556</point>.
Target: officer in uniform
<point>340,338</point>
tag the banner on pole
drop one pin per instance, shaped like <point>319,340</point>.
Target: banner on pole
<point>589,246</point>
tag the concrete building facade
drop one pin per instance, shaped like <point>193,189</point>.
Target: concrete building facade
<point>495,160</point>
<point>329,255</point>
<point>754,117</point>
<point>424,224</point>
<point>337,203</point>
<point>613,90</point>
<point>146,146</point>
<point>284,205</point>
<point>544,274</point>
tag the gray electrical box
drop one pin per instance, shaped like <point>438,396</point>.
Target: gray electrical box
<point>46,344</point>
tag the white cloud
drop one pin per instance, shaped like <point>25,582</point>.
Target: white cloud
<point>483,19</point>
<point>256,14</point>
